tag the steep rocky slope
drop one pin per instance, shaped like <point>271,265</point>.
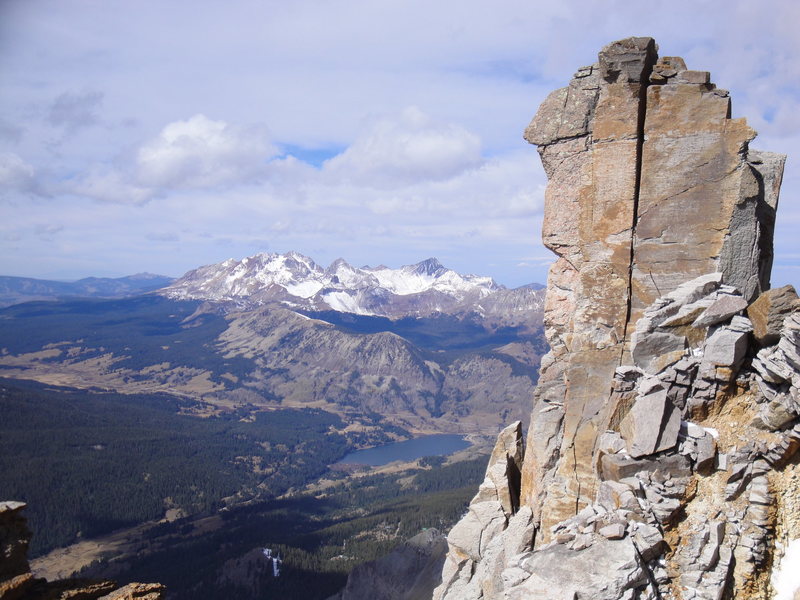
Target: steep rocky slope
<point>660,462</point>
<point>409,572</point>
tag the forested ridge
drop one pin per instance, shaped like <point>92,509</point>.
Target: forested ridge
<point>320,537</point>
<point>91,462</point>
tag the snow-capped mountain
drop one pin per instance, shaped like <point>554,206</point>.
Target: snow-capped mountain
<point>296,280</point>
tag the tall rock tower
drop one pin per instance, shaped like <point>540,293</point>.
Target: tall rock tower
<point>659,415</point>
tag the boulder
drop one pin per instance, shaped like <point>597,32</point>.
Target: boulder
<point>615,467</point>
<point>653,351</point>
<point>652,424</point>
<point>474,531</point>
<point>613,495</point>
<point>768,312</point>
<point>727,345</point>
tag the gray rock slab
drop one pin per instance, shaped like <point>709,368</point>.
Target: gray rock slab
<point>652,425</point>
<point>653,351</point>
<point>603,571</point>
<point>615,467</point>
<point>721,310</point>
<point>725,347</point>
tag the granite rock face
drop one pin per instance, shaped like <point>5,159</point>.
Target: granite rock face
<point>18,583</point>
<point>659,439</point>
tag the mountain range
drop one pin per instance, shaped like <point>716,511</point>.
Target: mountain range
<point>422,346</point>
<point>15,290</point>
<point>297,281</point>
<point>288,366</point>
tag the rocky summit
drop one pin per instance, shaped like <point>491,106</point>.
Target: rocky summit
<point>660,460</point>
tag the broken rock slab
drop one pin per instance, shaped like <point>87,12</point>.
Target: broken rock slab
<point>615,467</point>
<point>727,345</point>
<point>605,570</point>
<point>651,425</point>
<point>768,312</point>
<point>722,309</point>
<point>653,351</point>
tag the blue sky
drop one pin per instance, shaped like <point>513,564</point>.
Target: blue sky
<point>159,136</point>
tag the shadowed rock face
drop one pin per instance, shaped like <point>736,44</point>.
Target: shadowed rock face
<point>658,462</point>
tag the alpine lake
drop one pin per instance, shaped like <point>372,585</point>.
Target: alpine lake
<point>426,445</point>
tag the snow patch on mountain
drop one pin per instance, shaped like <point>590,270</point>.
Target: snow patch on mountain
<point>296,280</point>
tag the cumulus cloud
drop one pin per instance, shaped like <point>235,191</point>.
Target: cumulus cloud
<point>498,187</point>
<point>200,153</point>
<point>73,111</point>
<point>187,155</point>
<point>404,148</point>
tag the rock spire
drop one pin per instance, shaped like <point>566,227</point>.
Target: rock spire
<point>636,473</point>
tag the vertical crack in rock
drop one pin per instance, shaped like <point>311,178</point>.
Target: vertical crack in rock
<point>590,215</point>
<point>637,187</point>
<point>577,479</point>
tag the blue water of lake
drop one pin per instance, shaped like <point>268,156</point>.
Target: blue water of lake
<point>427,445</point>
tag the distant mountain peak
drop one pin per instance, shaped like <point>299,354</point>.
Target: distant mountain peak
<point>430,266</point>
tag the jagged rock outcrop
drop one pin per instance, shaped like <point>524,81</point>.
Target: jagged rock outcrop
<point>18,583</point>
<point>476,548</point>
<point>660,447</point>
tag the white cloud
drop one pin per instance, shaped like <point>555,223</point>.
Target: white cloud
<point>15,173</point>
<point>193,154</point>
<point>202,153</point>
<point>455,178</point>
<point>405,148</point>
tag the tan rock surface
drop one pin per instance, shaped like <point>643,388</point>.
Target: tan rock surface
<point>768,312</point>
<point>590,207</point>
